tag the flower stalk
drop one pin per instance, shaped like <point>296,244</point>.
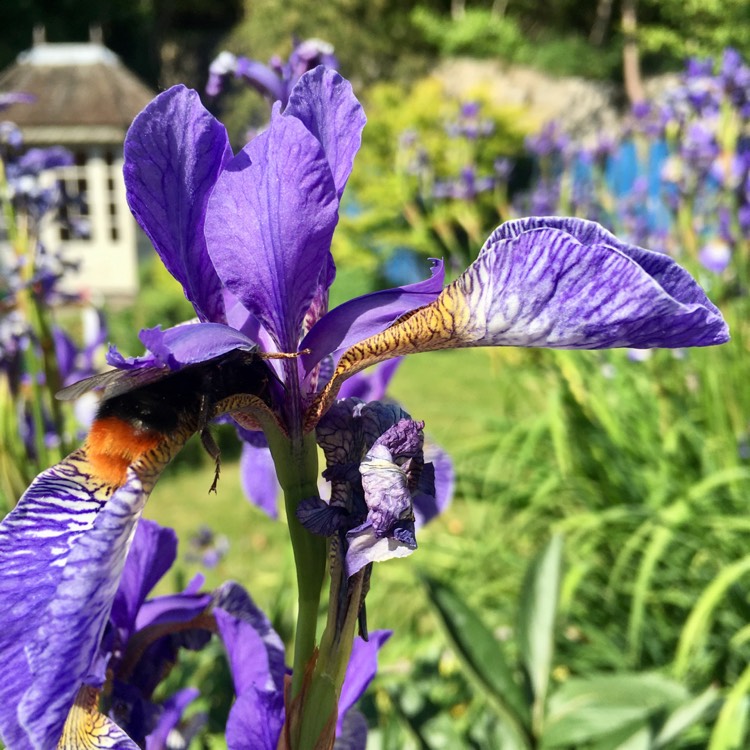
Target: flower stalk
<point>296,462</point>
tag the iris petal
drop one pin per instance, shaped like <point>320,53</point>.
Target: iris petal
<point>153,551</point>
<point>258,478</point>
<point>174,152</point>
<point>62,550</point>
<point>170,717</point>
<point>364,316</point>
<point>571,285</point>
<point>269,226</point>
<point>363,664</point>
<point>325,103</point>
<point>256,653</point>
<point>87,729</point>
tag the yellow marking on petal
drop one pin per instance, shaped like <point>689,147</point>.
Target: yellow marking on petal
<point>88,729</point>
<point>446,323</point>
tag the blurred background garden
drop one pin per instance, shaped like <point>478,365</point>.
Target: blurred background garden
<point>589,585</point>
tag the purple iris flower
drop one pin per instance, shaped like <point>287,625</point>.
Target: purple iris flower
<point>249,238</point>
<point>9,98</point>
<point>256,659</point>
<point>143,638</point>
<point>276,80</point>
<point>715,255</point>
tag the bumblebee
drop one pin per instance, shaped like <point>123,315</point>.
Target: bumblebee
<point>144,408</point>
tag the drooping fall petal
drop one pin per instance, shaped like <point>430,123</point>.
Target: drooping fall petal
<point>62,550</point>
<point>557,283</point>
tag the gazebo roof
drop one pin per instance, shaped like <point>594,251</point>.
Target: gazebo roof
<point>83,93</point>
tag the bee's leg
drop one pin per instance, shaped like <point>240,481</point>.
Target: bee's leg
<point>212,449</point>
<point>208,439</point>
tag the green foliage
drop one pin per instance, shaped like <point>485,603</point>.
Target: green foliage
<point>643,710</point>
<point>391,192</point>
<point>478,33</point>
<point>675,29</point>
<point>571,55</point>
<point>373,39</point>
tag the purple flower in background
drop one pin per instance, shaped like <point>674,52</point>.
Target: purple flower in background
<point>715,255</point>
<point>464,187</point>
<point>276,80</point>
<point>256,659</point>
<point>207,548</point>
<point>699,147</point>
<point>549,142</point>
<point>470,124</point>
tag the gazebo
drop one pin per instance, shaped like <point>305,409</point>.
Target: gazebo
<point>85,100</point>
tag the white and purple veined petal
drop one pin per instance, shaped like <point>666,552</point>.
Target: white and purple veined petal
<point>62,551</point>
<point>554,282</point>
<point>572,284</point>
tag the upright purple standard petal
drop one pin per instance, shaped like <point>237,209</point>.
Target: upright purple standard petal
<point>325,104</point>
<point>174,152</point>
<point>269,226</point>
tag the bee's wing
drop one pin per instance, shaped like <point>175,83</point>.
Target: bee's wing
<point>113,382</point>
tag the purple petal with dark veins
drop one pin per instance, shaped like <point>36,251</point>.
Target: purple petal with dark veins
<point>363,664</point>
<point>549,282</point>
<point>258,478</point>
<point>269,226</point>
<point>152,553</point>
<point>62,551</point>
<point>320,518</point>
<point>325,103</point>
<point>402,440</point>
<point>361,317</point>
<point>170,717</point>
<point>174,152</point>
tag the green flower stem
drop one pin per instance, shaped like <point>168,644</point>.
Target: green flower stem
<point>321,705</point>
<point>296,462</point>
